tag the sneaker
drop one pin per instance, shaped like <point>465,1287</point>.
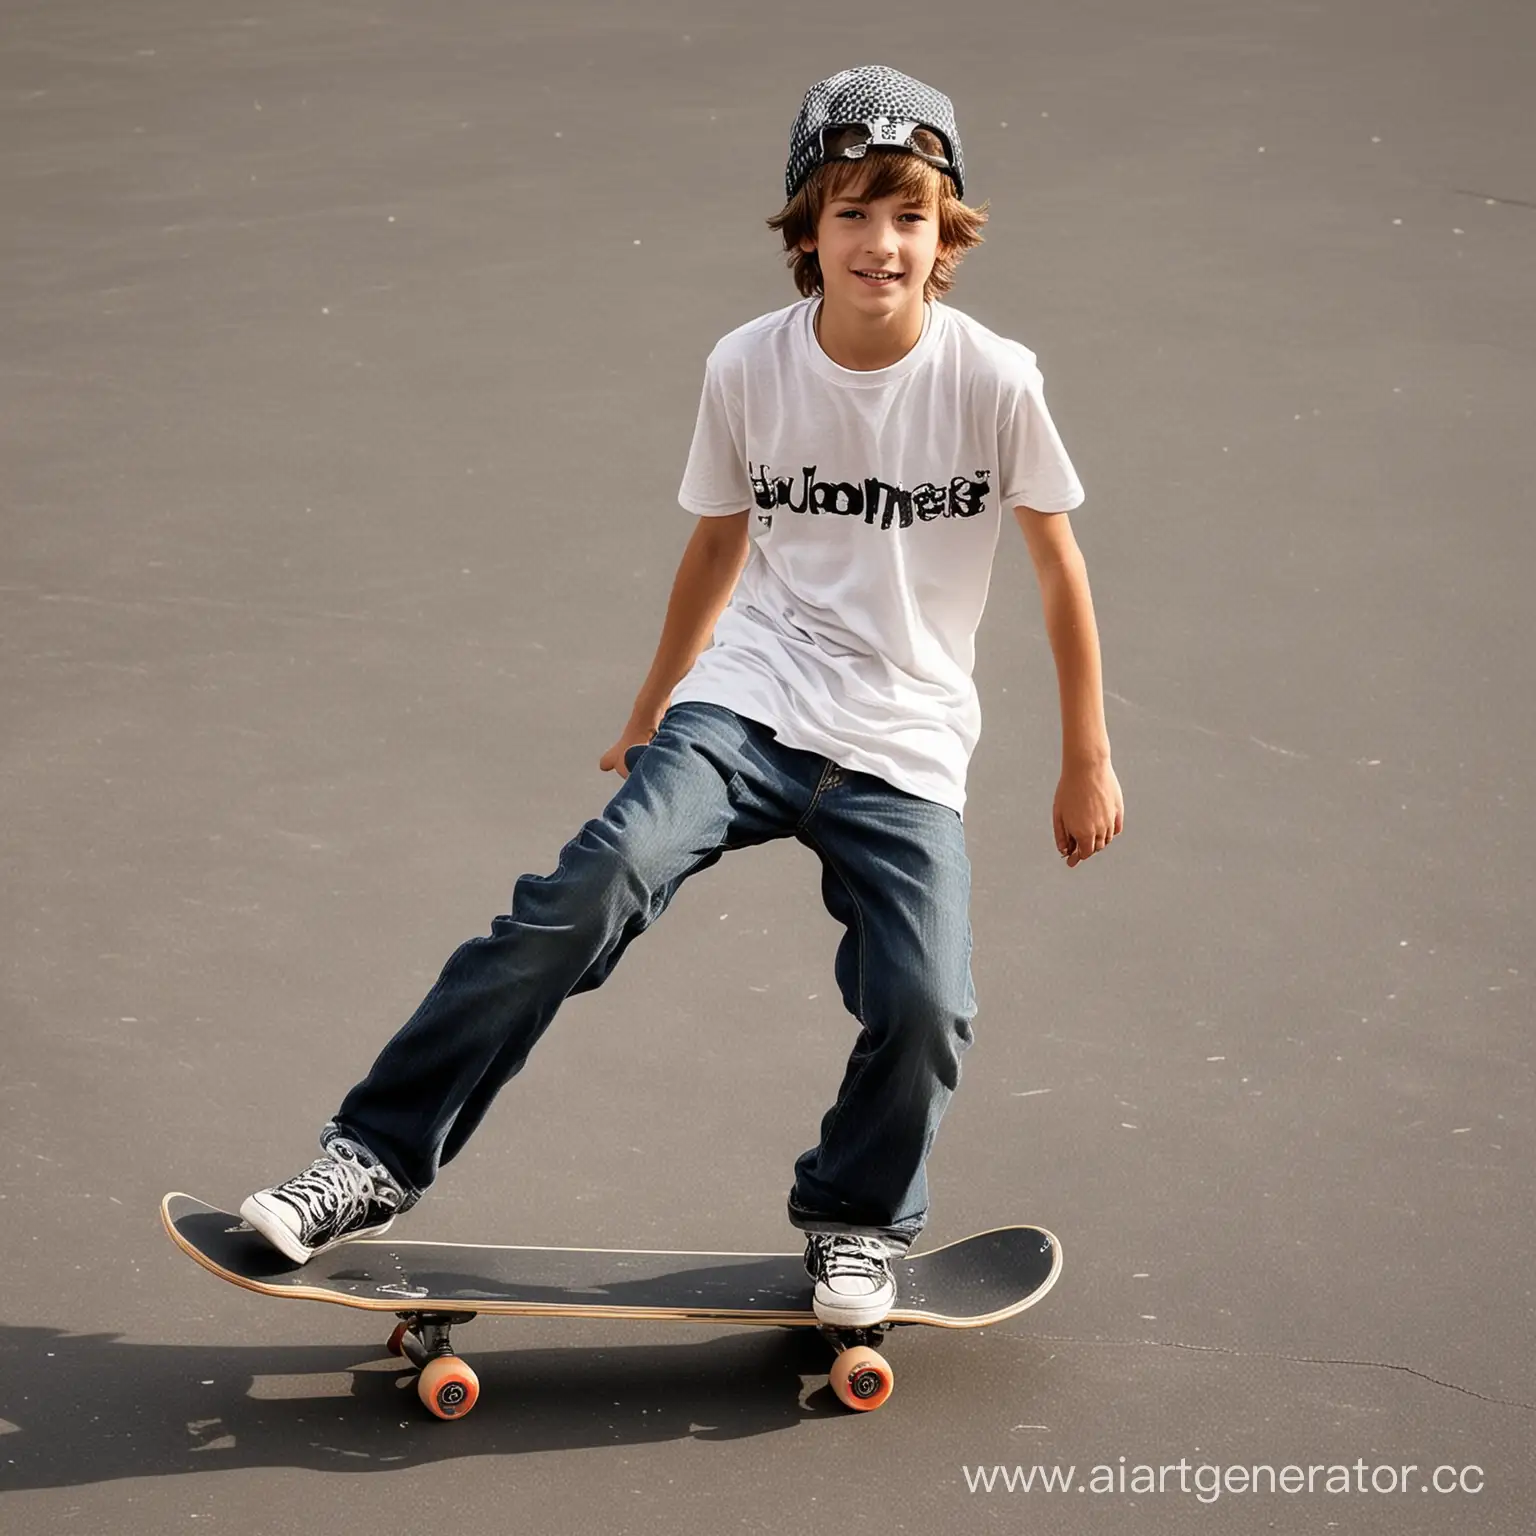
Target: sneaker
<point>854,1284</point>
<point>346,1194</point>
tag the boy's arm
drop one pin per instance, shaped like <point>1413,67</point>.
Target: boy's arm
<point>1089,810</point>
<point>706,577</point>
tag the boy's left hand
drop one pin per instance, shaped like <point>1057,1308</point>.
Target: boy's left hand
<point>1089,811</point>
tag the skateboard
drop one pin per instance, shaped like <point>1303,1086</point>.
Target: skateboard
<point>432,1288</point>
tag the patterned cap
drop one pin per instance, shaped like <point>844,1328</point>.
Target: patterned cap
<point>872,93</point>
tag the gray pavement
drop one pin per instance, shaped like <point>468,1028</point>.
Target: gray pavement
<point>350,356</point>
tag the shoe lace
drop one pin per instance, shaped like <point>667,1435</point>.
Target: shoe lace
<point>330,1186</point>
<point>863,1257</point>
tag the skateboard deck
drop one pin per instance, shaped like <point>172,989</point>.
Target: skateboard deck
<point>432,1287</point>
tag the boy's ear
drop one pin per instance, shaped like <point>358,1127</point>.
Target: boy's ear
<point>808,244</point>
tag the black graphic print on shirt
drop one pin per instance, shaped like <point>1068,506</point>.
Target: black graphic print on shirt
<point>871,498</point>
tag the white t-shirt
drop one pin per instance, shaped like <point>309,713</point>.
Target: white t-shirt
<point>879,500</point>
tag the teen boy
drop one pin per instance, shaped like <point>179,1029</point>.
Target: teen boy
<point>850,465</point>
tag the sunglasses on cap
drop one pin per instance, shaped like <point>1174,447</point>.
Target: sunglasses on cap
<point>852,141</point>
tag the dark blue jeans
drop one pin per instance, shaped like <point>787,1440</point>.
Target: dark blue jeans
<point>894,874</point>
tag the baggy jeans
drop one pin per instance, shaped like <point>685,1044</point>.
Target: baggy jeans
<point>894,873</point>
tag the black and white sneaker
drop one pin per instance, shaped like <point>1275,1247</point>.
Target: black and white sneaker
<point>854,1284</point>
<point>347,1193</point>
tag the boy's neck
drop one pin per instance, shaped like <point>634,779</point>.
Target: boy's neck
<point>863,343</point>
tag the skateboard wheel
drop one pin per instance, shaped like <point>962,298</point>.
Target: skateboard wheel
<point>448,1387</point>
<point>395,1344</point>
<point>861,1378</point>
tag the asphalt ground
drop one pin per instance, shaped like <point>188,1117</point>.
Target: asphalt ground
<point>350,356</point>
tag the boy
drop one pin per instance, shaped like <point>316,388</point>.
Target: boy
<point>849,464</point>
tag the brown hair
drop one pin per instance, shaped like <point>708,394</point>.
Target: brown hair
<point>881,173</point>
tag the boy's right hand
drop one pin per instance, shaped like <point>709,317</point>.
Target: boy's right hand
<point>637,733</point>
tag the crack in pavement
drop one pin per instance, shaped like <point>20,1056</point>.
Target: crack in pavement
<point>1181,723</point>
<point>1489,197</point>
<point>1267,1354</point>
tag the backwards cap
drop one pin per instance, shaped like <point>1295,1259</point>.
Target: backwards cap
<point>876,95</point>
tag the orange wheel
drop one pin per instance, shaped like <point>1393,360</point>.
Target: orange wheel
<point>448,1387</point>
<point>394,1346</point>
<point>861,1378</point>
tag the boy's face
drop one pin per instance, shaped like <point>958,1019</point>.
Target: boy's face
<point>855,237</point>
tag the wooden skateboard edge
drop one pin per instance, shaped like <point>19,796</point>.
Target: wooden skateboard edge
<point>898,1316</point>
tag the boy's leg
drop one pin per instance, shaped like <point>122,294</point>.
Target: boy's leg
<point>896,875</point>
<point>674,815</point>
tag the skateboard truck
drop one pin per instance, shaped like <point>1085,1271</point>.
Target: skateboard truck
<point>447,1385</point>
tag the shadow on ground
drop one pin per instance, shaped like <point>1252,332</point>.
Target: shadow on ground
<point>87,1408</point>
